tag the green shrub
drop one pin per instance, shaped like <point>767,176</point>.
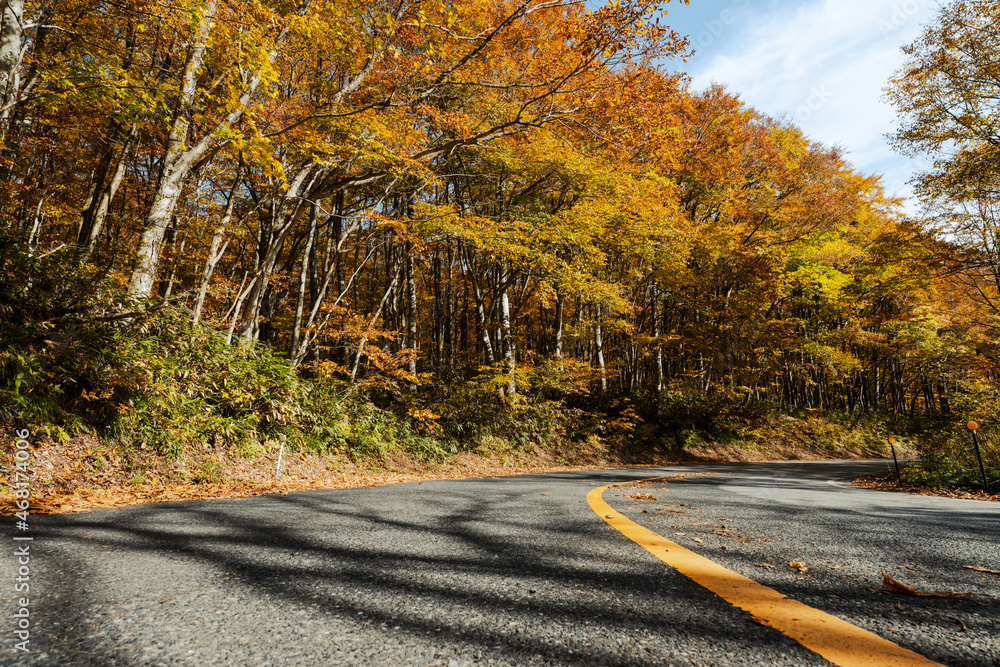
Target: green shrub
<point>948,457</point>
<point>59,343</point>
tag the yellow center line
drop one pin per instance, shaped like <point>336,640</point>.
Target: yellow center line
<point>833,638</point>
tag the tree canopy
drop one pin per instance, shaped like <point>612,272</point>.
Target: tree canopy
<point>513,192</point>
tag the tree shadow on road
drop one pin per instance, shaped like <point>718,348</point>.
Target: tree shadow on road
<point>468,570</point>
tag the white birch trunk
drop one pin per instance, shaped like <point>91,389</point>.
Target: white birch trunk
<point>599,346</point>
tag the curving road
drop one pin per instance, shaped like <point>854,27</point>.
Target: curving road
<point>507,571</point>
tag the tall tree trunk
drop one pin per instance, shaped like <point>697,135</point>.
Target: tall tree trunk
<point>179,159</point>
<point>178,257</point>
<point>440,308</point>
<point>658,354</point>
<point>599,345</point>
<point>287,211</point>
<point>411,310</point>
<point>177,163</point>
<point>480,310</point>
<point>95,211</point>
<point>36,228</point>
<point>378,312</point>
<point>508,344</point>
<point>451,298</point>
<point>11,36</point>
<point>216,249</point>
<point>943,398</point>
<point>338,240</point>
<point>558,326</point>
<point>304,278</point>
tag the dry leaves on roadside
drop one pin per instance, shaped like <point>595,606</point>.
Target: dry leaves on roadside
<point>886,481</point>
<point>798,565</point>
<point>118,496</point>
<point>640,496</point>
<point>765,565</point>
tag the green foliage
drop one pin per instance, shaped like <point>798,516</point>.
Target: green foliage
<point>688,438</point>
<point>57,342</point>
<point>947,458</point>
<point>70,362</point>
<point>938,469</point>
<point>211,470</point>
<point>717,415</point>
<point>479,409</point>
<point>193,388</point>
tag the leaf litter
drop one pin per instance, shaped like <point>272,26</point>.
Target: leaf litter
<point>640,496</point>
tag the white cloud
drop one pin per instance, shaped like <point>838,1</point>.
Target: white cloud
<point>822,65</point>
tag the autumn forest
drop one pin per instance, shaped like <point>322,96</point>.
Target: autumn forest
<point>433,222</point>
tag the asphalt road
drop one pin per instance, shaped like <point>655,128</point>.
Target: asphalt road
<point>504,571</point>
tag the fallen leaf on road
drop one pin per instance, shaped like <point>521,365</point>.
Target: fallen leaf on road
<point>897,586</point>
<point>980,569</point>
<point>696,539</point>
<point>798,565</point>
<point>765,565</point>
<point>640,496</point>
<point>759,621</point>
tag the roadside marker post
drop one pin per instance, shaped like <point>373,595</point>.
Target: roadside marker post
<point>277,469</point>
<point>892,446</point>
<point>979,457</point>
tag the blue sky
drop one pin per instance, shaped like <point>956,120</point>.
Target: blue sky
<point>822,64</point>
